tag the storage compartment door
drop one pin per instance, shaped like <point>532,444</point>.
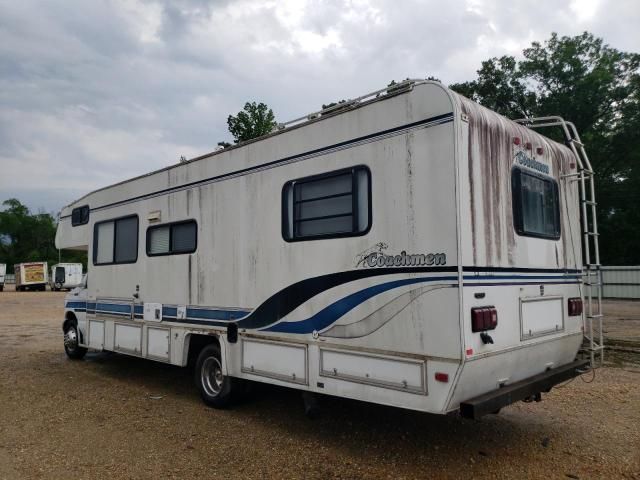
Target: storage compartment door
<point>382,371</point>
<point>96,334</point>
<point>128,339</point>
<point>282,361</point>
<point>541,316</point>
<point>158,343</point>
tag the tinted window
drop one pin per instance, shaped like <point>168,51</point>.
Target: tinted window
<point>116,241</point>
<point>172,239</point>
<point>126,240</point>
<point>536,209</point>
<point>335,204</point>
<point>80,216</point>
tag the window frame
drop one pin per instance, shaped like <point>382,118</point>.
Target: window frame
<point>115,230</point>
<point>516,196</point>
<point>170,225</point>
<point>83,220</point>
<point>354,204</point>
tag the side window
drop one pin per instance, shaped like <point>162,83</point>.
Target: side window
<point>336,204</point>
<point>536,205</point>
<point>172,239</point>
<point>116,241</point>
<point>80,216</point>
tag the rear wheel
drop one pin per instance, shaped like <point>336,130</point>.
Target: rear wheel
<point>71,340</point>
<point>216,388</point>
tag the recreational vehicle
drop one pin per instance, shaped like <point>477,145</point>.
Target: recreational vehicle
<point>31,276</point>
<point>3,271</point>
<point>410,248</point>
<point>65,276</point>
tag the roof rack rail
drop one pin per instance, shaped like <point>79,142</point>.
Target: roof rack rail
<point>401,87</point>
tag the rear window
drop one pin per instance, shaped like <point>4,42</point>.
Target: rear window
<point>330,205</point>
<point>536,205</point>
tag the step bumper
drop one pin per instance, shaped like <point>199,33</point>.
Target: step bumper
<point>492,401</point>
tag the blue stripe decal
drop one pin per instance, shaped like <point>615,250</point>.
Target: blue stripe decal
<point>169,312</point>
<point>76,305</point>
<point>520,277</point>
<point>227,315</point>
<point>498,284</point>
<point>333,312</point>
<point>113,308</point>
<point>327,316</point>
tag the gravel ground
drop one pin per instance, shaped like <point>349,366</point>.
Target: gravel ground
<point>116,417</point>
<point>621,324</point>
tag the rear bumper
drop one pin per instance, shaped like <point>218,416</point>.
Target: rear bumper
<point>492,401</point>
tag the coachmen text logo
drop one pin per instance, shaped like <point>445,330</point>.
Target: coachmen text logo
<point>379,259</point>
<point>528,162</point>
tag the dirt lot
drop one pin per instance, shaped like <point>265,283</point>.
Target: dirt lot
<point>116,417</point>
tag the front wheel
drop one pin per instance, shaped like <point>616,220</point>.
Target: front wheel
<point>216,388</point>
<point>71,346</point>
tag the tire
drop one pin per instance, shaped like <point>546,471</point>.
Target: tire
<point>1,288</point>
<point>71,347</point>
<point>216,389</point>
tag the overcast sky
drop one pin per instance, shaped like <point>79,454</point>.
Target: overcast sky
<point>94,92</point>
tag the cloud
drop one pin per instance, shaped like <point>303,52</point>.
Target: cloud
<point>92,93</point>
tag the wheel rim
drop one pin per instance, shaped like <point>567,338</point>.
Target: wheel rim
<point>211,376</point>
<point>71,339</point>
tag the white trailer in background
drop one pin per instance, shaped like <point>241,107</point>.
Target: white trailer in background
<point>3,271</point>
<point>31,276</point>
<point>408,248</point>
<point>65,276</point>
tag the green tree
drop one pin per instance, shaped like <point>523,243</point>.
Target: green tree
<point>27,237</point>
<point>500,86</point>
<point>598,88</point>
<point>255,120</point>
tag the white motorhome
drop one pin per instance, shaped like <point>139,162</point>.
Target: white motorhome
<point>65,276</point>
<point>3,271</point>
<point>409,248</point>
<point>31,276</point>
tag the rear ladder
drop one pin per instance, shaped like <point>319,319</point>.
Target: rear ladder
<point>593,345</point>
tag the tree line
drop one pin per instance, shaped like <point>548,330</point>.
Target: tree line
<point>579,78</point>
<point>30,237</point>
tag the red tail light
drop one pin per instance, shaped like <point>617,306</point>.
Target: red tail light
<point>483,318</point>
<point>442,377</point>
<point>575,306</point>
